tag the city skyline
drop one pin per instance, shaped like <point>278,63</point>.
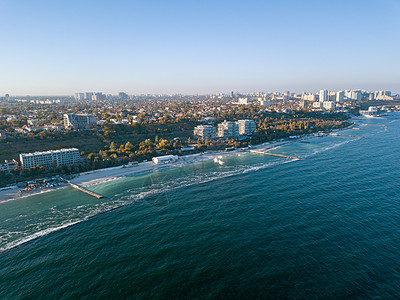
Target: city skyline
<point>183,47</point>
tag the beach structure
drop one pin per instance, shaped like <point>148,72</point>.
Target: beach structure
<point>62,157</point>
<point>166,159</point>
<point>79,121</point>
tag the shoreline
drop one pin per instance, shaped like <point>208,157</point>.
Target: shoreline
<point>99,176</point>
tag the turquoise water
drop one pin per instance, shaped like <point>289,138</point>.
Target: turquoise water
<point>326,226</point>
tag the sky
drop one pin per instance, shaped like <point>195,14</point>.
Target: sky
<point>189,47</point>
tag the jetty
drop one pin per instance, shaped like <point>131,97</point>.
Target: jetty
<point>272,154</point>
<point>82,189</point>
<point>348,135</point>
<point>373,125</point>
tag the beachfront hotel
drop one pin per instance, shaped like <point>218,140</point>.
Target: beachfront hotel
<point>204,132</point>
<point>62,157</point>
<point>246,127</point>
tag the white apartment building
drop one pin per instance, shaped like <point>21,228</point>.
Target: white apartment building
<point>340,96</point>
<point>329,105</point>
<point>243,101</point>
<point>308,97</point>
<point>79,121</point>
<point>246,127</point>
<point>62,157</point>
<point>354,95</point>
<point>8,166</point>
<point>228,130</point>
<point>323,95</point>
<point>204,132</point>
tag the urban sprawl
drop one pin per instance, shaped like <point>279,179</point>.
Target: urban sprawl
<point>51,136</point>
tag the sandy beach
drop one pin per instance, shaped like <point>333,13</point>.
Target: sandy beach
<point>94,177</point>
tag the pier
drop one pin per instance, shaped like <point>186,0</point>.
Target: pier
<point>82,189</point>
<point>357,136</point>
<point>272,154</point>
<point>373,125</point>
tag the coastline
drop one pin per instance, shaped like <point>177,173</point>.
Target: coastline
<point>95,177</point>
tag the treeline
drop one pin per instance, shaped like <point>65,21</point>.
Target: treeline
<point>144,141</point>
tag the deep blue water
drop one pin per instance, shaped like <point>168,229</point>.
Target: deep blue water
<point>325,226</point>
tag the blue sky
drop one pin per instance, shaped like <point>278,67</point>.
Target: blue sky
<point>60,47</point>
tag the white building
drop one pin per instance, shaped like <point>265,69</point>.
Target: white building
<point>166,159</point>
<point>340,96</point>
<point>323,95</point>
<point>354,95</point>
<point>8,166</point>
<point>79,121</point>
<point>79,96</point>
<point>62,157</point>
<point>317,104</point>
<point>204,132</point>
<point>228,130</point>
<point>263,102</point>
<point>308,97</point>
<point>246,127</point>
<point>243,101</point>
<point>329,105</point>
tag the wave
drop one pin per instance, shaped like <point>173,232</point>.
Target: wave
<point>166,184</point>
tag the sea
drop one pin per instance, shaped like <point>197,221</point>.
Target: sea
<point>326,226</point>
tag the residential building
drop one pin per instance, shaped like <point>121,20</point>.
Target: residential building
<point>79,121</point>
<point>79,96</point>
<point>228,130</point>
<point>308,97</point>
<point>328,105</point>
<point>204,132</point>
<point>8,166</point>
<point>354,95</point>
<point>123,96</point>
<point>246,127</point>
<point>339,96</point>
<point>323,95</point>
<point>88,95</point>
<point>98,96</point>
<point>243,101</point>
<point>62,157</point>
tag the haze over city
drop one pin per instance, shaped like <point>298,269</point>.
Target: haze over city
<point>60,47</point>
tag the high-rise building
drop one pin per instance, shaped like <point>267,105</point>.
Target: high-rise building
<point>123,96</point>
<point>339,96</point>
<point>79,96</point>
<point>228,130</point>
<point>62,157</point>
<point>88,95</point>
<point>323,95</point>
<point>204,132</point>
<point>354,95</point>
<point>79,121</point>
<point>98,96</point>
<point>246,127</point>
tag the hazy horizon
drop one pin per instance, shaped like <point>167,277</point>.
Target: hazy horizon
<point>188,47</point>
